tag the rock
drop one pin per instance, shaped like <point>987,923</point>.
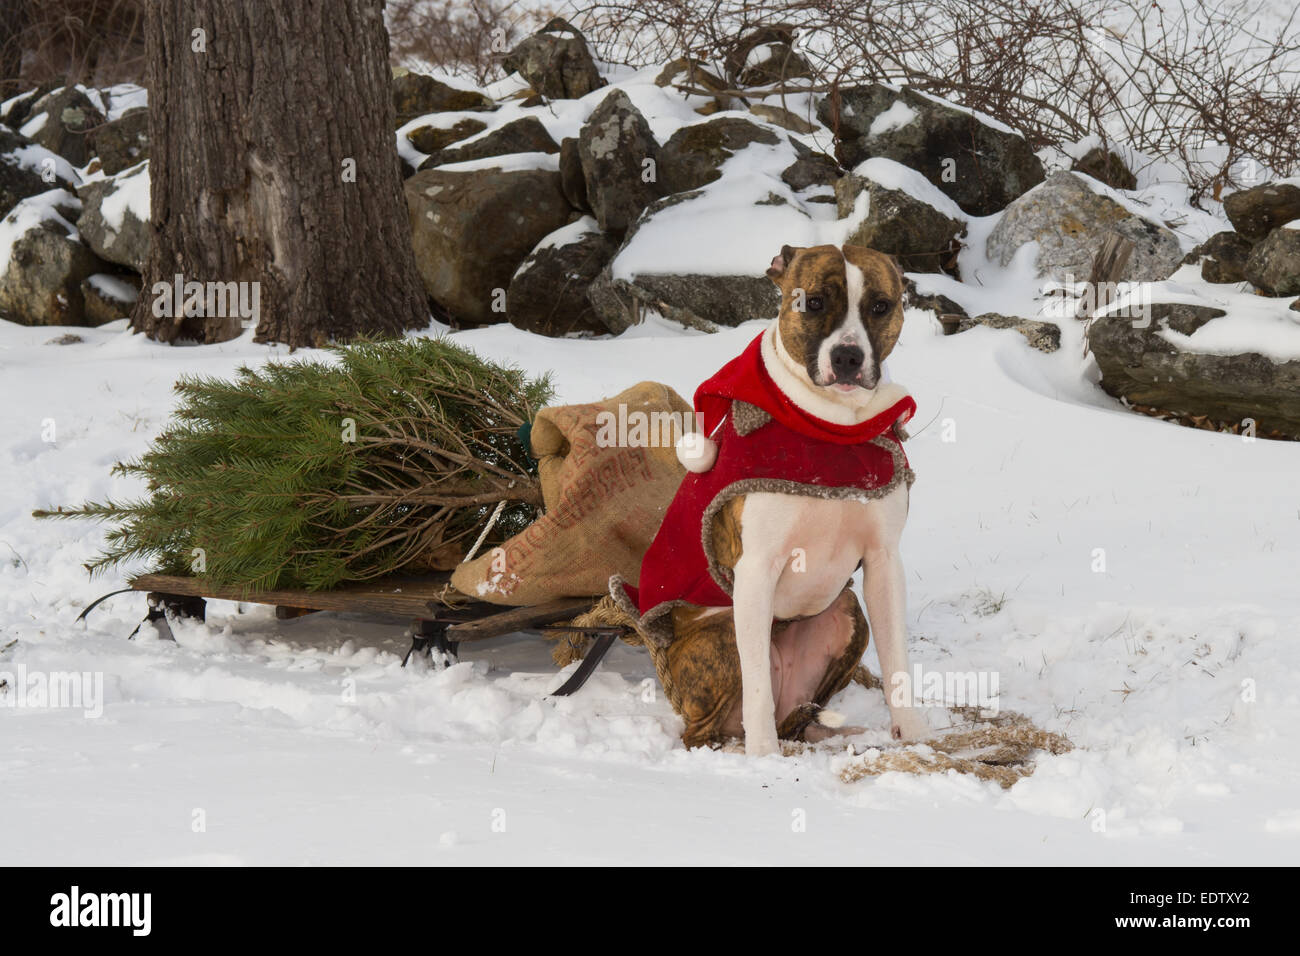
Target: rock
<point>471,231</point>
<point>526,135</point>
<point>1043,336</point>
<point>614,146</point>
<point>1105,167</point>
<point>1258,211</point>
<point>897,223</point>
<point>1140,366</point>
<point>415,95</point>
<point>62,122</point>
<point>66,338</point>
<point>1274,264</point>
<point>765,55</point>
<point>689,71</point>
<point>124,142</point>
<point>988,165</point>
<point>692,156</point>
<point>572,181</point>
<point>109,222</point>
<point>431,139</point>
<point>1222,257</point>
<point>773,63</point>
<point>812,168</point>
<point>28,170</point>
<point>1069,220</point>
<point>108,298</point>
<point>697,301</point>
<point>42,262</point>
<point>935,302</point>
<point>556,62</point>
<point>548,295</point>
<point>783,118</point>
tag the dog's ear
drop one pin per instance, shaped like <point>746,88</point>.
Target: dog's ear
<point>780,262</point>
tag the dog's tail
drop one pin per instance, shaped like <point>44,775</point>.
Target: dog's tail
<point>830,718</point>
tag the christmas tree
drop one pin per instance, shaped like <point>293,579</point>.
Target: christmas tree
<point>309,474</point>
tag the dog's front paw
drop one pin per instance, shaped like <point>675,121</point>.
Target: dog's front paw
<point>909,725</point>
<point>761,746</point>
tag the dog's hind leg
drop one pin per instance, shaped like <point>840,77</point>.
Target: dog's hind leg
<point>813,660</point>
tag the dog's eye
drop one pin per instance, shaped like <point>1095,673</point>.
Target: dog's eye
<point>814,303</point>
<point>880,307</point>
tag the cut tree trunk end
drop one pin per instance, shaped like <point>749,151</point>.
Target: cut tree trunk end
<point>276,185</point>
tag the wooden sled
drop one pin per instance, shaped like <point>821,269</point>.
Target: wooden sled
<point>437,626</point>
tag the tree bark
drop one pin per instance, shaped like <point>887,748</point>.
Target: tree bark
<point>274,162</point>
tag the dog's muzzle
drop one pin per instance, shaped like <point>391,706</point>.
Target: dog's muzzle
<point>846,365</point>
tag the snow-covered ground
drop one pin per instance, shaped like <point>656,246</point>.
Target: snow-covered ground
<point>1174,669</point>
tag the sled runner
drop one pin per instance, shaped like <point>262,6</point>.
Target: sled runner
<point>437,625</point>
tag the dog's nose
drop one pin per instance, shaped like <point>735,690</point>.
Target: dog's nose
<point>846,362</point>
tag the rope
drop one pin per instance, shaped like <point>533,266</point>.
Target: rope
<point>998,748</point>
<point>496,513</point>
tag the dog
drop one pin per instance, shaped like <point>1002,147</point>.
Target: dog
<point>798,478</point>
<point>841,315</point>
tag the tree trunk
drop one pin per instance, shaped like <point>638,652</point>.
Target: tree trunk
<point>274,166</point>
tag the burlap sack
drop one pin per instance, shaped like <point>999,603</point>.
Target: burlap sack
<point>608,472</point>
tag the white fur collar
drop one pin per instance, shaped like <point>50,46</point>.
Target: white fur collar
<point>836,407</point>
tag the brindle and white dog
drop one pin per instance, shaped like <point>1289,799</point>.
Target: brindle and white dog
<point>841,314</point>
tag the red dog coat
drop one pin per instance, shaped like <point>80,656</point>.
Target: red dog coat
<point>777,447</point>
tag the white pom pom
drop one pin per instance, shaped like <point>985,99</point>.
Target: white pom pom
<point>697,452</point>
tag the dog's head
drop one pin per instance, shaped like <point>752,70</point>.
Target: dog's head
<point>841,313</point>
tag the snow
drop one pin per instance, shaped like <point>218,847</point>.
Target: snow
<point>896,117</point>
<point>130,195</point>
<point>113,288</point>
<point>512,162</point>
<point>39,159</point>
<point>896,176</point>
<point>1142,665</point>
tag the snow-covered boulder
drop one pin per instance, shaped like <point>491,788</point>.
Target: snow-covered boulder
<point>62,121</point>
<point>1155,366</point>
<point>548,294</point>
<point>1069,216</point>
<point>472,229</point>
<point>115,217</point>
<point>979,163</point>
<point>894,210</point>
<point>43,260</point>
<point>27,169</point>
<point>1274,264</point>
<point>556,62</point>
<point>1257,211</point>
<point>614,146</point>
<point>698,258</point>
<point>526,135</point>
